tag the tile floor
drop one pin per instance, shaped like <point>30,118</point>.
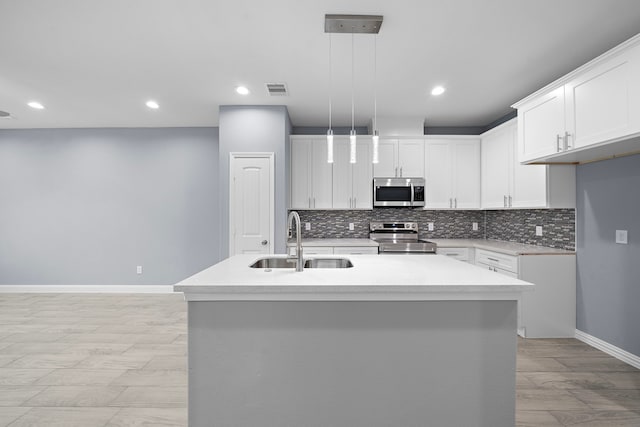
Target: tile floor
<point>90,360</point>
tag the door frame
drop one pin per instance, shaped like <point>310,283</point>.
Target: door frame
<point>243,155</point>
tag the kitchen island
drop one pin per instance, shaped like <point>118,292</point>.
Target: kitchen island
<point>394,340</point>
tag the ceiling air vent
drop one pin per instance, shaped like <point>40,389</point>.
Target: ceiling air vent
<point>277,89</point>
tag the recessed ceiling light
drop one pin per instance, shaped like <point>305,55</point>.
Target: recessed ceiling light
<point>36,105</point>
<point>242,90</point>
<point>438,90</point>
<point>152,104</point>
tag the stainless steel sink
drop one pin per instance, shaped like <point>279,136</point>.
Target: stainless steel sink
<point>328,263</point>
<point>279,262</point>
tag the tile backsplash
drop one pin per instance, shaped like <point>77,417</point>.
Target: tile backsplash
<point>509,225</point>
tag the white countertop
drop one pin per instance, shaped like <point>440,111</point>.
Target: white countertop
<point>334,242</point>
<point>372,278</point>
<point>509,248</point>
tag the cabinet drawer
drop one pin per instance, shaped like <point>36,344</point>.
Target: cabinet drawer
<point>500,261</point>
<point>461,254</point>
<point>313,250</point>
<point>355,250</point>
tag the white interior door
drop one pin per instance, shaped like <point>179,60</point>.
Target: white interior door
<point>251,203</point>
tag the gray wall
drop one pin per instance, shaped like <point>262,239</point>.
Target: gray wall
<point>254,129</point>
<point>608,274</point>
<point>86,206</point>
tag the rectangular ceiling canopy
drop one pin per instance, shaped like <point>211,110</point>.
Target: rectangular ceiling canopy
<point>349,24</point>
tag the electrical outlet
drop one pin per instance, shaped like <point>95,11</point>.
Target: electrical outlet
<point>621,237</point>
<point>430,226</point>
<point>538,230</point>
<point>307,226</point>
<point>139,269</point>
<point>351,227</point>
<point>474,226</point>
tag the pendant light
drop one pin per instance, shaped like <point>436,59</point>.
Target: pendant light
<point>352,134</point>
<point>330,131</point>
<point>375,139</point>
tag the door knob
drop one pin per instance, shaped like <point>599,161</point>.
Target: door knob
<point>264,242</point>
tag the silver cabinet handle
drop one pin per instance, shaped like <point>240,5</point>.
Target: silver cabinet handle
<point>504,201</point>
<point>264,243</point>
<point>309,201</point>
<point>400,171</point>
<point>455,203</point>
<point>566,140</point>
<point>558,137</point>
<point>450,203</point>
<point>493,259</point>
<point>510,201</point>
<point>355,204</point>
<point>396,174</point>
<point>314,202</point>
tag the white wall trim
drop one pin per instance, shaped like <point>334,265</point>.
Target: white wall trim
<point>610,349</point>
<point>92,289</point>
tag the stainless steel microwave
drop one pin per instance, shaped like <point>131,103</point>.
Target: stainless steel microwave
<point>407,192</point>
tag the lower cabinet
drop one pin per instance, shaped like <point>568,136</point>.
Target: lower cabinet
<point>335,250</point>
<point>461,254</point>
<point>549,311</point>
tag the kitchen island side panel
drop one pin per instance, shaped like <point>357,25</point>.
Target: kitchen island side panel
<point>352,363</point>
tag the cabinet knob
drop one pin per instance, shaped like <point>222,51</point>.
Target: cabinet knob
<point>264,243</point>
<point>558,138</point>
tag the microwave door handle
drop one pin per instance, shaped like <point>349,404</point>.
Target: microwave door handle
<point>411,195</point>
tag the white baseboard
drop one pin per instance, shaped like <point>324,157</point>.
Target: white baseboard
<point>93,289</point>
<point>610,349</point>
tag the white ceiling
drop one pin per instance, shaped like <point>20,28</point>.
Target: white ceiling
<point>94,63</point>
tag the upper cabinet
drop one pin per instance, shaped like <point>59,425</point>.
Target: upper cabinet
<point>400,158</point>
<point>591,114</point>
<point>311,175</point>
<point>508,184</point>
<point>452,173</point>
<point>352,188</point>
<point>316,184</point>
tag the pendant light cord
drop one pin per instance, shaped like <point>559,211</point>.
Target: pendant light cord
<point>352,82</point>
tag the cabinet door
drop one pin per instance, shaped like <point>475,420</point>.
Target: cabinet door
<point>541,126</point>
<point>529,186</point>
<point>362,177</point>
<point>300,183</point>
<point>321,176</point>
<point>438,174</point>
<point>411,158</point>
<point>342,170</point>
<point>597,103</point>
<point>466,175</point>
<point>387,154</point>
<point>496,155</point>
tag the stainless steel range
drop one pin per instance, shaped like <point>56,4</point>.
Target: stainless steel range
<point>399,237</point>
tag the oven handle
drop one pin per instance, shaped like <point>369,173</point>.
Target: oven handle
<point>412,194</point>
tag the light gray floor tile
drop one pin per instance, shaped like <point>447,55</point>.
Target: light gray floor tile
<point>152,378</point>
<point>567,380</point>
<point>547,400</point>
<point>536,364</point>
<point>65,417</point>
<point>5,359</point>
<point>17,395</point>
<point>536,419</point>
<point>622,380</point>
<point>147,417</point>
<point>175,363</point>
<point>65,396</point>
<point>81,377</point>
<point>610,400</point>
<point>43,361</point>
<point>10,414</point>
<point>21,376</point>
<point>158,349</point>
<point>595,364</point>
<point>116,361</point>
<point>33,337</point>
<point>152,397</point>
<point>598,418</point>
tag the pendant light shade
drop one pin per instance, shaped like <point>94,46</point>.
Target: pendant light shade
<point>375,139</point>
<point>352,134</point>
<point>352,146</point>
<point>329,146</point>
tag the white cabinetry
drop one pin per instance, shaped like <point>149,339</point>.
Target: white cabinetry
<point>460,254</point>
<point>311,175</point>
<point>589,114</point>
<point>352,182</point>
<point>549,311</point>
<point>400,158</point>
<point>508,184</point>
<point>335,250</point>
<point>452,173</point>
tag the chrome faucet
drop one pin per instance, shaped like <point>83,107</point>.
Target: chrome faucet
<point>298,256</point>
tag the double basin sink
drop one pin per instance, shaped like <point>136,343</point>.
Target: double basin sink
<point>281,262</point>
